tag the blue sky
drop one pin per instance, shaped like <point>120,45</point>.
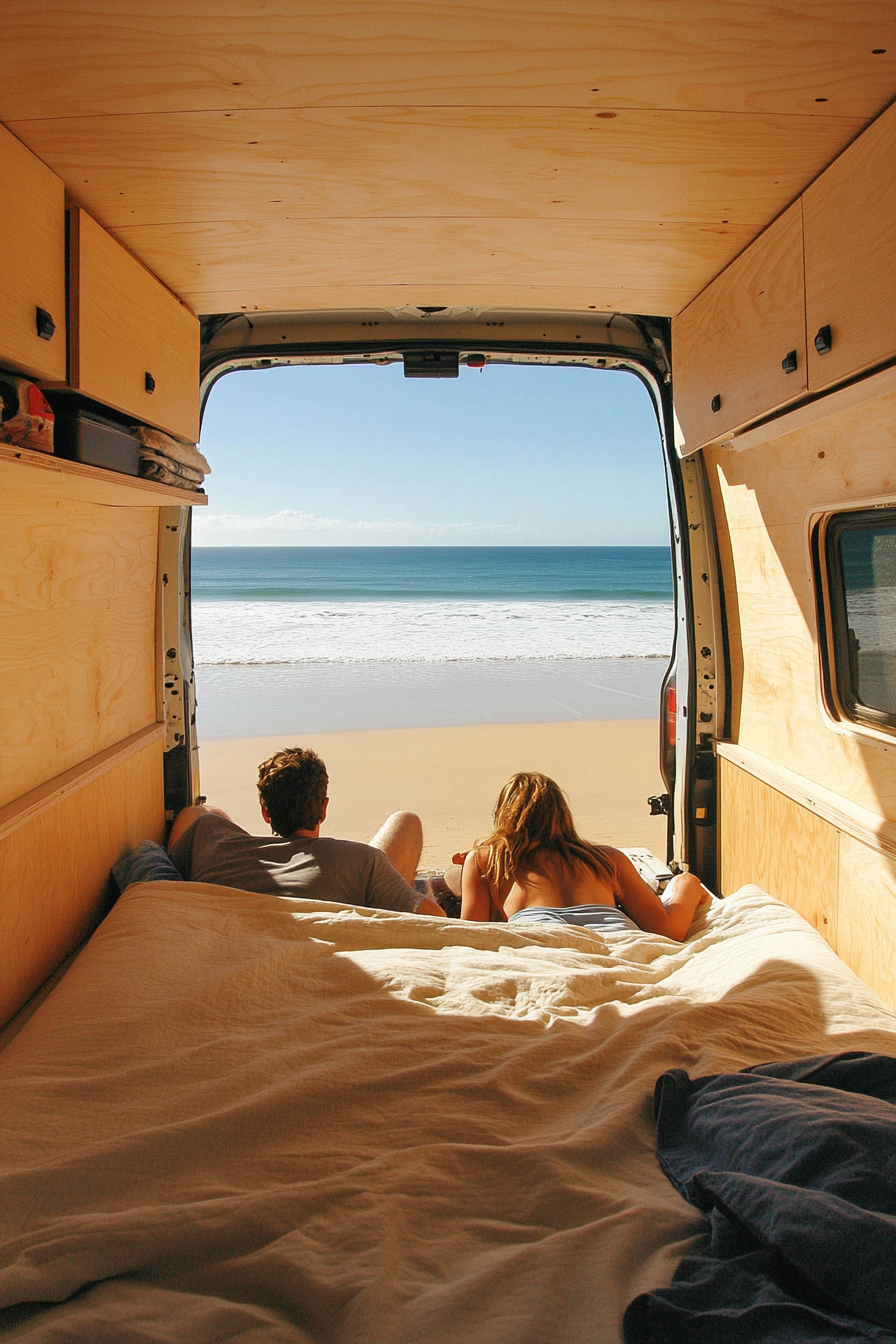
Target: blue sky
<point>361,456</point>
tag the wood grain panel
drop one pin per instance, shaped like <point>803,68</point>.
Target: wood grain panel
<point>56,868</point>
<point>101,58</point>
<point>842,398</point>
<point>524,295</point>
<point>765,495</point>
<point>730,342</point>
<point>524,257</point>
<point>770,840</point>
<point>125,324</point>
<point>551,163</point>
<point>850,233</point>
<point>781,714</point>
<point>848,456</point>
<point>399,112</point>
<point>77,634</point>
<point>866,938</point>
<point>32,273</point>
<point>842,813</point>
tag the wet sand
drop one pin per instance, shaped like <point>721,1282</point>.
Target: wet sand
<point>451,777</point>
<point>258,700</point>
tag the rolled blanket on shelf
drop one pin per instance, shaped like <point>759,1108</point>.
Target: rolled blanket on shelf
<point>178,468</point>
<point>187,454</point>
<point>153,469</point>
<point>169,461</point>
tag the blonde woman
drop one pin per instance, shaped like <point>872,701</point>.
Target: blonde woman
<point>535,867</point>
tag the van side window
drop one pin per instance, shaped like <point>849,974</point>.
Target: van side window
<point>860,572</point>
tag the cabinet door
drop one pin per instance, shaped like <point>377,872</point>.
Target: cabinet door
<point>32,271</point>
<point>850,238</point>
<point>731,347</point>
<point>133,345</point>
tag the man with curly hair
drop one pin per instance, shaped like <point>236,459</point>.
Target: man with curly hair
<point>206,846</point>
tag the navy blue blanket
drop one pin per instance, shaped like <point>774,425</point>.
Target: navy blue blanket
<point>795,1163</point>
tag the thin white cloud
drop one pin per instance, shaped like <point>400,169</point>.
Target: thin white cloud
<point>292,526</point>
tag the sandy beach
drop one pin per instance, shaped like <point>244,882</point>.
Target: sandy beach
<point>451,777</point>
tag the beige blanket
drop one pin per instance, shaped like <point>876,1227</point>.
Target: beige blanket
<point>247,1117</point>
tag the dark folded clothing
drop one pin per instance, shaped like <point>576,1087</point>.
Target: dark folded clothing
<point>796,1164</point>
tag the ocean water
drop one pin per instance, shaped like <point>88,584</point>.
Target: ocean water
<point>315,639</point>
<point>294,605</point>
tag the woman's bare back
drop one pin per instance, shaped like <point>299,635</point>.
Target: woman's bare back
<point>555,884</point>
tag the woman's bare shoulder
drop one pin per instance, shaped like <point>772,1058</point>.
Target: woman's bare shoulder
<point>478,855</point>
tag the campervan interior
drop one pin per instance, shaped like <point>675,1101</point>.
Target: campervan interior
<point>326,1124</point>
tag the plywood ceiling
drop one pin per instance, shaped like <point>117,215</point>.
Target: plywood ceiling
<point>276,154</point>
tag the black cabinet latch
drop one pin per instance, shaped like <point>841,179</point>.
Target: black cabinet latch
<point>659,804</point>
<point>149,382</point>
<point>823,340</point>
<point>44,323</point>
<point>716,403</point>
<point>788,363</point>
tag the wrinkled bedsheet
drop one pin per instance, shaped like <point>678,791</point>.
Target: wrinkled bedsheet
<point>249,1117</point>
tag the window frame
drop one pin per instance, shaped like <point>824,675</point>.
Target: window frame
<point>837,681</point>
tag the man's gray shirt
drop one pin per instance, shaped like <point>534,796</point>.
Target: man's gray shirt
<point>216,850</point>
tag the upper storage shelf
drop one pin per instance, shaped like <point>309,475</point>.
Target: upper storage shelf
<point>56,478</point>
<point>32,263</point>
<point>740,347</point>
<point>849,222</point>
<point>133,345</point>
<point>808,305</point>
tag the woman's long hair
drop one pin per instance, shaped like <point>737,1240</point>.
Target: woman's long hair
<point>533,824</point>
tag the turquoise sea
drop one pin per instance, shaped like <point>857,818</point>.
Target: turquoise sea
<point>323,638</point>
<point>432,573</point>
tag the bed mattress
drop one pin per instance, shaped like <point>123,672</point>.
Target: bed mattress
<point>249,1117</point>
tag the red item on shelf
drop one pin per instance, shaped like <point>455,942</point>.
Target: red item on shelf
<point>26,417</point>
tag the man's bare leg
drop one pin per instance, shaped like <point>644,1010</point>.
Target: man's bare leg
<point>401,839</point>
<point>188,815</point>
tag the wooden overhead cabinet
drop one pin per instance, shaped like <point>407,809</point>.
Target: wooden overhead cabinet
<point>739,350</point>
<point>32,263</point>
<point>133,344</point>
<point>850,240</point>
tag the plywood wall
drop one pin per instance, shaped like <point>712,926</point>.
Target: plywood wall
<point>762,498</point>
<point>845,888</point>
<point>770,840</point>
<point>56,863</point>
<point>866,915</point>
<point>77,633</point>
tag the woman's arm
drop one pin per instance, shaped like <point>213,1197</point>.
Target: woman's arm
<point>674,915</point>
<point>475,902</point>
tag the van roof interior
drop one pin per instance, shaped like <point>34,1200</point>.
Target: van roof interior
<point>281,157</point>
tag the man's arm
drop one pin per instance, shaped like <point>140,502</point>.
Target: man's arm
<point>430,907</point>
<point>387,889</point>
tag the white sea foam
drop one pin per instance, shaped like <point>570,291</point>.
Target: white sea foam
<point>427,632</point>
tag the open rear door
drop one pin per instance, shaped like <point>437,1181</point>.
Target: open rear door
<point>435,343</point>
